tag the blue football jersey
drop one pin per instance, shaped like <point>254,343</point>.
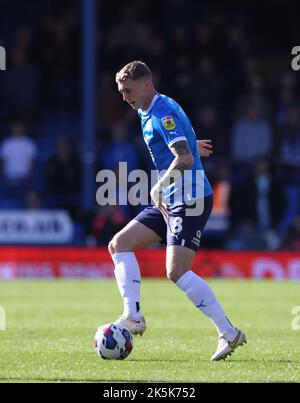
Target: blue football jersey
<point>163,124</point>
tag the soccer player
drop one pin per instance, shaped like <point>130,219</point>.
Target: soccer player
<point>172,143</point>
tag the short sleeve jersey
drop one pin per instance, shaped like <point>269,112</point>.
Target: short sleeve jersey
<point>163,124</point>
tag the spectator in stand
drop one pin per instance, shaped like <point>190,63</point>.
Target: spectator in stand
<point>219,222</point>
<point>251,136</point>
<point>208,126</point>
<point>130,37</point>
<point>251,66</point>
<point>286,98</point>
<point>179,42</point>
<point>108,220</point>
<point>203,39</point>
<point>17,153</point>
<point>63,177</point>
<point>258,201</point>
<point>33,200</point>
<point>288,80</point>
<point>109,106</point>
<point>236,48</point>
<point>289,141</point>
<point>120,149</point>
<point>20,85</point>
<point>292,240</point>
<point>255,94</point>
<point>183,85</point>
<point>289,160</point>
<point>57,53</point>
<point>178,12</point>
<point>23,39</point>
<point>156,54</point>
<point>238,44</point>
<point>207,84</point>
<point>221,186</point>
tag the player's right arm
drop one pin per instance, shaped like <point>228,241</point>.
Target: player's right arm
<point>171,130</point>
<point>183,160</point>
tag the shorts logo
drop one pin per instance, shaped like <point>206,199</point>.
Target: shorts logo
<point>168,122</point>
<point>196,239</point>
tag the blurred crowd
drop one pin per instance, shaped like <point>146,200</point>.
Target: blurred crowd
<point>222,64</point>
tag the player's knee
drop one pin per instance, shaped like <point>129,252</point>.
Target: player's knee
<point>111,248</point>
<point>117,244</point>
<point>114,245</point>
<point>173,276</point>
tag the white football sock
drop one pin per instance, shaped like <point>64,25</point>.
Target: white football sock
<point>203,297</point>
<point>128,276</point>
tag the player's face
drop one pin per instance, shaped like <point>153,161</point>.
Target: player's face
<point>134,92</point>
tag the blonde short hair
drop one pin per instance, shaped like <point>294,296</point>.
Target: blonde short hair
<point>134,71</point>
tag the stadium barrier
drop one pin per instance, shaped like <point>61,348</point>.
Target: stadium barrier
<point>69,263</point>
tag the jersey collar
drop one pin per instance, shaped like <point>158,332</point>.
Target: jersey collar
<point>150,106</point>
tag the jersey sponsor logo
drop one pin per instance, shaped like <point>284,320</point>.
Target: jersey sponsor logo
<point>168,122</point>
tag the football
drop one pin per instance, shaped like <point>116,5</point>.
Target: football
<point>113,342</point>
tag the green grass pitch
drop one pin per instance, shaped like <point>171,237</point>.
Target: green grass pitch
<point>51,324</point>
